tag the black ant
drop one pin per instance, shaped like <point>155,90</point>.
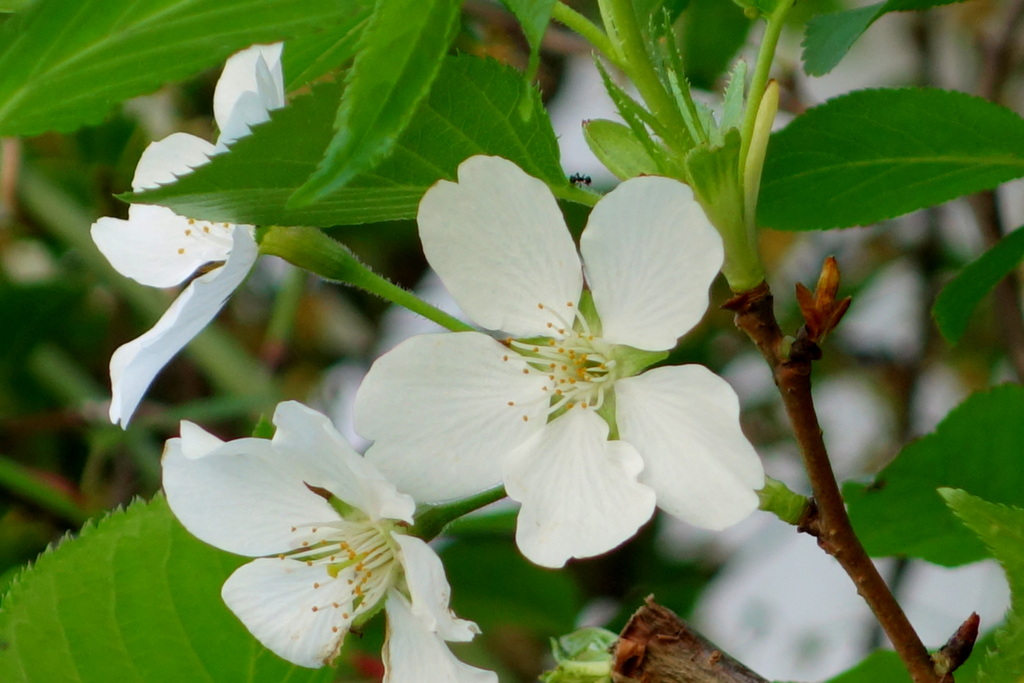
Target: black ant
<point>580,180</point>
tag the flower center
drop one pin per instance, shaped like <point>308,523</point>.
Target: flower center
<point>577,365</point>
<point>203,233</point>
<point>363,555</point>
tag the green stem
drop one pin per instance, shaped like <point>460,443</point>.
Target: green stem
<point>762,70</point>
<point>23,483</point>
<point>313,250</point>
<point>588,30</point>
<point>433,520</point>
<point>778,499</point>
<point>640,69</point>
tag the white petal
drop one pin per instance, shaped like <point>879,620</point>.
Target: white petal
<point>274,598</point>
<point>135,364</point>
<point>196,442</point>
<point>437,408</point>
<point>165,160</point>
<point>250,86</point>
<point>430,592</point>
<point>413,653</point>
<point>684,420</point>
<point>316,450</point>
<point>159,248</point>
<point>500,245</point>
<point>243,496</point>
<point>650,255</point>
<point>579,491</point>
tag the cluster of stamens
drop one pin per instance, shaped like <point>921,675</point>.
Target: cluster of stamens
<point>575,363</point>
<point>202,230</point>
<point>360,553</point>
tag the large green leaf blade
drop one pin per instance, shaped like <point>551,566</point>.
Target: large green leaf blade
<point>472,109</point>
<point>1001,528</point>
<point>976,448</point>
<point>875,154</point>
<point>401,54</point>
<point>66,63</point>
<point>957,300</point>
<point>830,36</point>
<point>133,599</point>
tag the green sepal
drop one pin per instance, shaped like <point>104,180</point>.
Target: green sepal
<point>607,413</point>
<point>732,101</point>
<point>264,429</point>
<point>616,146</point>
<point>785,504</point>
<point>714,177</point>
<point>583,656</point>
<point>588,311</point>
<point>630,361</point>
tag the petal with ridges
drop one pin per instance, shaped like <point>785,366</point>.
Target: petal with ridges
<point>430,592</point>
<point>579,491</point>
<point>500,245</point>
<point>437,408</point>
<point>135,364</point>
<point>157,247</point>
<point>650,255</point>
<point>684,421</point>
<point>411,650</point>
<point>243,496</point>
<point>275,598</point>
<point>315,448</point>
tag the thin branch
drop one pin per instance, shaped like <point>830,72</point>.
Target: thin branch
<point>791,366</point>
<point>656,646</point>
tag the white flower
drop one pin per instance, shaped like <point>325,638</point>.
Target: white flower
<point>328,530</point>
<point>159,248</point>
<point>452,414</point>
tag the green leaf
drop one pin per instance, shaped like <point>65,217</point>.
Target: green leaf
<point>957,300</point>
<point>713,33</point>
<point>1001,528</point>
<point>307,58</point>
<point>472,109</point>
<point>400,56</point>
<point>617,148</point>
<point>66,63</point>
<point>534,16</point>
<point>133,599</point>
<point>830,36</point>
<point>875,154</point>
<point>976,448</point>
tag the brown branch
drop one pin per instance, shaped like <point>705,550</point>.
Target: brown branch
<point>791,366</point>
<point>656,646</point>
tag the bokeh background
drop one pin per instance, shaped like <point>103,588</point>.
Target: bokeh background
<point>766,594</point>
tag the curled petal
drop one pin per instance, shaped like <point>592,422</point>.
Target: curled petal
<point>437,407</point>
<point>242,496</point>
<point>579,491</point>
<point>315,450</point>
<point>430,592</point>
<point>500,245</point>
<point>275,599</point>
<point>251,85</point>
<point>135,364</point>
<point>650,255</point>
<point>684,421</point>
<point>157,247</point>
<point>165,160</point>
<point>412,649</point>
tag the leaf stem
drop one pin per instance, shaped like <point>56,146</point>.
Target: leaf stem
<point>762,70</point>
<point>590,31</point>
<point>433,520</point>
<point>791,367</point>
<point>638,66</point>
<point>312,249</point>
